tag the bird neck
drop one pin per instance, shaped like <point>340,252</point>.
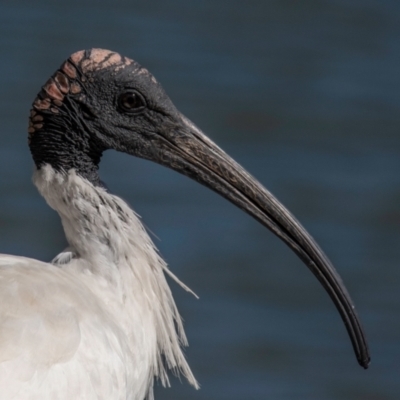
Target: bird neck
<point>64,147</point>
<point>109,240</point>
<point>99,227</point>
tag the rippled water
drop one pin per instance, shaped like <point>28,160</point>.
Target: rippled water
<point>306,95</point>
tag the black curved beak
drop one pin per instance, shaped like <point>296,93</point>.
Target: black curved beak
<point>184,148</point>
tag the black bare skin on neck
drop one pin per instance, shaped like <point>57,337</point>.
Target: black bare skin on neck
<point>76,128</point>
<point>65,143</point>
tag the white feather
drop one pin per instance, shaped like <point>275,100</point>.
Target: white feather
<point>101,323</point>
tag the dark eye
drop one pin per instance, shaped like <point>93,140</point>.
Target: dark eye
<point>131,102</point>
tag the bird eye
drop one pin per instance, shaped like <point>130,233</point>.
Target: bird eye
<point>131,102</point>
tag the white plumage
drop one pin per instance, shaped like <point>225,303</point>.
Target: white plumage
<point>97,326</point>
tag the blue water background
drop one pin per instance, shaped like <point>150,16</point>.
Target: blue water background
<point>305,95</point>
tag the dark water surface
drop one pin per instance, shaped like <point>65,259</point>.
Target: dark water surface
<point>306,95</point>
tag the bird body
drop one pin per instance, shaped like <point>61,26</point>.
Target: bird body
<point>100,322</point>
<point>97,326</point>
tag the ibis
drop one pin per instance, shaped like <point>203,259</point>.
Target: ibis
<point>99,321</point>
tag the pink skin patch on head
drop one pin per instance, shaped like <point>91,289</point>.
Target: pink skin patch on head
<point>37,118</point>
<point>62,82</point>
<point>52,90</point>
<point>42,104</point>
<point>77,57</point>
<point>69,70</point>
<point>127,62</point>
<point>100,58</point>
<point>75,88</point>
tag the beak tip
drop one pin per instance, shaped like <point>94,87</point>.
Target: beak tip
<point>364,362</point>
